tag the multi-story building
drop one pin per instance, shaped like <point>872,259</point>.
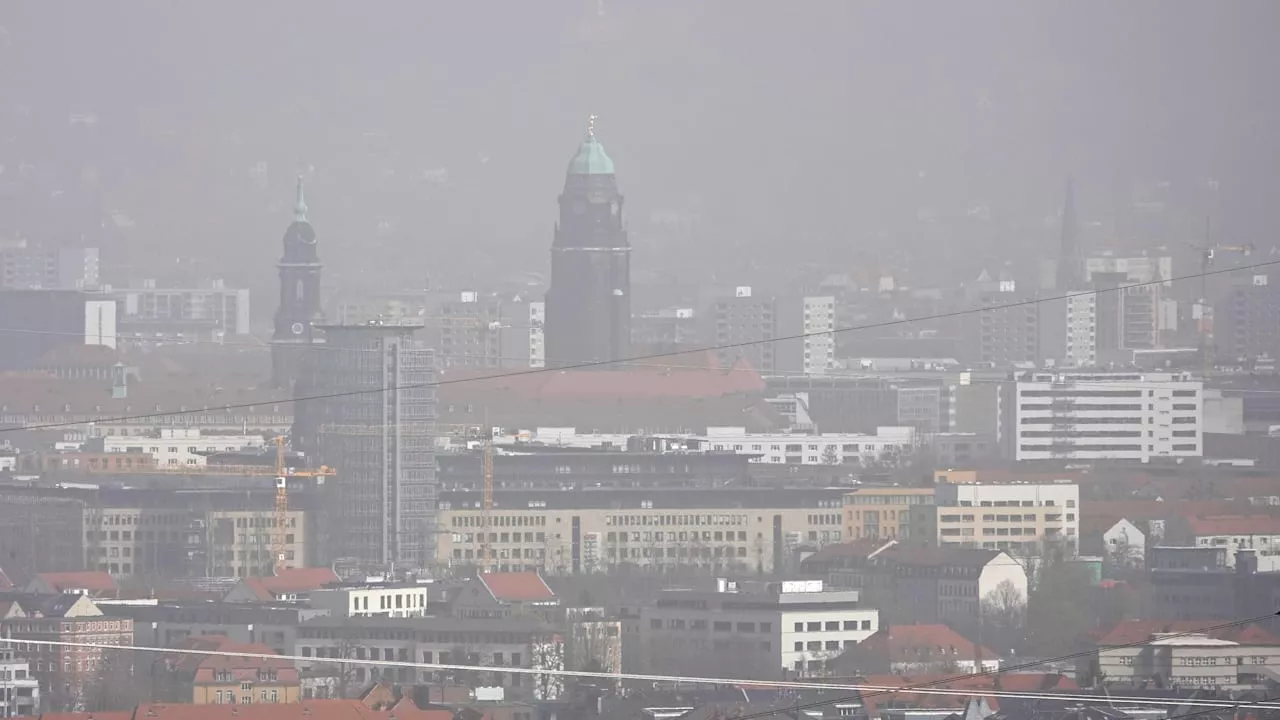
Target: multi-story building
<point>168,625</point>
<point>750,630</point>
<point>1082,330</point>
<point>504,595</point>
<point>588,303</point>
<point>1181,654</point>
<point>1257,533</point>
<point>923,584</point>
<point>374,423</point>
<point>740,325</point>
<point>917,649</point>
<point>209,312</point>
<point>520,642</point>
<point>19,689</point>
<point>1196,583</point>
<point>1139,269</point>
<point>179,447</point>
<point>651,529</point>
<point>226,678</point>
<point>466,329</point>
<point>1006,331</point>
<point>1246,319</point>
<point>818,343</point>
<point>837,404</point>
<point>536,337</point>
<point>27,267</point>
<point>72,670</point>
<point>573,467</point>
<point>1025,520</point>
<point>43,321</point>
<point>882,513</point>
<point>1071,417</point>
<point>665,330</point>
<point>391,600</point>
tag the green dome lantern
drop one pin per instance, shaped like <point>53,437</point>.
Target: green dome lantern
<point>591,158</point>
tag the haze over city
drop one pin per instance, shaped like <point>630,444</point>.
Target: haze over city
<point>622,360</point>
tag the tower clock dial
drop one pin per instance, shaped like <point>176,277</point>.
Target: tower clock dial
<point>297,328</point>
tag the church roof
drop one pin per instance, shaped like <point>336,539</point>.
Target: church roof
<point>590,159</point>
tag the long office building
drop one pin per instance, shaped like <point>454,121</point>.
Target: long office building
<point>375,426</point>
<point>746,530</point>
<point>1141,417</point>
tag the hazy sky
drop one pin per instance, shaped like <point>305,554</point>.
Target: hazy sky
<point>807,127</point>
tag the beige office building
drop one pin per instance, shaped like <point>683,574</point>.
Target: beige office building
<point>882,513</point>
<point>748,530</point>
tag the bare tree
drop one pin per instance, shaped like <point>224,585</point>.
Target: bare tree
<point>1003,614</point>
<point>118,684</point>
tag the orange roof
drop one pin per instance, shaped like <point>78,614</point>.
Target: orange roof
<point>1136,631</point>
<point>1015,682</point>
<point>92,580</point>
<point>517,586</point>
<point>697,377</point>
<point>918,644</point>
<point>291,580</point>
<point>1233,525</point>
<point>198,664</point>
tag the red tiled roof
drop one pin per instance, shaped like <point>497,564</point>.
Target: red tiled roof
<point>691,380</point>
<point>1136,631</point>
<point>915,644</point>
<point>199,664</point>
<point>1015,682</point>
<point>1203,525</point>
<point>94,581</point>
<point>291,580</point>
<point>517,586</point>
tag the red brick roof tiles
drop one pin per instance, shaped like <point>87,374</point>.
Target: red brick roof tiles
<point>1205,525</point>
<point>517,586</point>
<point>289,581</point>
<point>92,580</point>
<point>1137,631</point>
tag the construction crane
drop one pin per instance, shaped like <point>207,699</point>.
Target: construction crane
<point>282,499</point>
<point>486,508</point>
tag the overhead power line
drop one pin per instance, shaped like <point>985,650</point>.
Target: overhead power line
<point>651,356</point>
<point>864,690</point>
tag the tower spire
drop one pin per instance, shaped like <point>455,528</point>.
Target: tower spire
<point>591,126</point>
<point>300,205</point>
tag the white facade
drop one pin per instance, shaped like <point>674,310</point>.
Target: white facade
<point>1068,417</point>
<point>1013,517</point>
<point>783,626</point>
<point>1125,545</point>
<point>1082,330</point>
<point>888,444</point>
<point>819,339</point>
<point>100,323</point>
<point>1140,269</point>
<point>537,338</point>
<point>150,310</point>
<point>372,601</point>
<point>180,447</point>
<point>19,690</point>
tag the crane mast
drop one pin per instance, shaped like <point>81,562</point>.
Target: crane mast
<point>486,507</point>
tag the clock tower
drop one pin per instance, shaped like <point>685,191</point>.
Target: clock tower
<point>588,303</point>
<point>299,311</point>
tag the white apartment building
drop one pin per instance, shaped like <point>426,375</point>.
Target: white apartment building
<point>1021,519</point>
<point>1068,417</point>
<point>150,311</point>
<point>887,445</point>
<point>19,689</point>
<point>180,447</point>
<point>819,341</point>
<point>757,630</point>
<point>1141,269</point>
<point>385,601</point>
<point>537,338</point>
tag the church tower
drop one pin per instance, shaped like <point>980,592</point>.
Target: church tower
<point>299,311</point>
<point>588,303</point>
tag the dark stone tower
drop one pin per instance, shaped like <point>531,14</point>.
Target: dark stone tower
<point>299,311</point>
<point>589,300</point>
<point>1070,259</point>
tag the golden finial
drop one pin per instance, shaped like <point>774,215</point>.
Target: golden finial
<point>591,126</point>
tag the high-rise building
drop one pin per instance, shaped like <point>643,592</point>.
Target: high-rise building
<point>1071,263</point>
<point>35,267</point>
<point>740,326</point>
<point>299,311</point>
<point>374,424</point>
<point>588,304</point>
<point>466,329</point>
<point>1246,319</point>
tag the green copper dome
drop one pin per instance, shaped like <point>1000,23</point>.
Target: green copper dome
<point>590,159</point>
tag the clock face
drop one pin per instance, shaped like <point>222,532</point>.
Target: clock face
<point>297,328</point>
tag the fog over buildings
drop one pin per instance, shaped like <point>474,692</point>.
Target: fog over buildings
<point>488,360</point>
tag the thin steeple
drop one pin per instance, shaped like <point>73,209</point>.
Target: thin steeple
<point>300,205</point>
<point>591,127</point>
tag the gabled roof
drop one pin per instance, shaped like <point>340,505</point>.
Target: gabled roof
<point>1136,631</point>
<point>516,586</point>
<point>94,581</point>
<point>290,581</point>
<point>51,605</point>
<point>913,644</point>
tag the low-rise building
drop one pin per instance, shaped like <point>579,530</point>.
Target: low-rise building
<point>916,650</point>
<point>750,630</point>
<point>177,447</point>
<point>95,584</point>
<point>372,600</point>
<point>287,584</point>
<point>227,678</point>
<point>1173,654</point>
<point>1260,533</point>
<point>19,689</point>
<point>923,584</point>
<point>503,595</point>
